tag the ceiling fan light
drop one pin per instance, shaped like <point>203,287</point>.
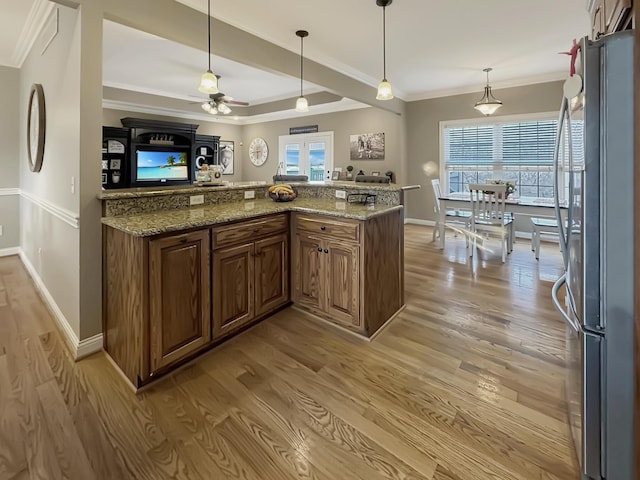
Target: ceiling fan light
<point>385,90</point>
<point>208,83</point>
<point>224,108</point>
<point>206,107</point>
<point>302,105</point>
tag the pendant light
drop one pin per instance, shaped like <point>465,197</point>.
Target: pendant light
<point>488,104</point>
<point>301,104</point>
<point>208,81</point>
<point>385,90</point>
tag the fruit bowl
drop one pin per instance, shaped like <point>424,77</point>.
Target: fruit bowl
<point>282,193</point>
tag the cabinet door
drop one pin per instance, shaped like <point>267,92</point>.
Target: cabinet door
<point>180,321</point>
<point>272,273</point>
<point>233,274</point>
<point>616,11</point>
<point>343,282</point>
<point>307,271</point>
<point>598,19</point>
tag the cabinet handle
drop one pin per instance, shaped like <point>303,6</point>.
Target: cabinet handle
<point>323,228</point>
<point>183,240</point>
<point>320,249</point>
<point>256,230</point>
<point>326,251</point>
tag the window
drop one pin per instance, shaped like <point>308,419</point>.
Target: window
<point>308,154</point>
<point>521,150</point>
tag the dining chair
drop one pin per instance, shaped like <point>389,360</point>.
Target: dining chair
<point>489,217</point>
<point>459,217</point>
<point>540,225</point>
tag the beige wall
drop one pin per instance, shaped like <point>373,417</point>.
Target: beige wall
<point>9,157</point>
<point>342,124</point>
<point>50,243</point>
<point>229,132</point>
<point>423,132</point>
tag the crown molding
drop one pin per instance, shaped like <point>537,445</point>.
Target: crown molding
<point>343,105</point>
<point>518,82</point>
<point>36,20</point>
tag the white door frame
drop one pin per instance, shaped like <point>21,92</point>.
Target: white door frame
<point>303,140</point>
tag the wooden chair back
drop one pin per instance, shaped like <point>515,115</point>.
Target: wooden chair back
<point>435,183</point>
<point>488,202</point>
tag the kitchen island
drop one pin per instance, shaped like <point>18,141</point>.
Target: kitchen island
<point>179,280</point>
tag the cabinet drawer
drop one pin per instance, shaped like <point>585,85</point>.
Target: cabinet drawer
<point>241,232</point>
<point>332,227</point>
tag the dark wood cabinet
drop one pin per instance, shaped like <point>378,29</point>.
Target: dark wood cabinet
<point>343,282</point>
<point>609,16</point>
<point>271,273</point>
<point>233,300</point>
<point>250,271</point>
<point>179,301</point>
<point>349,272</point>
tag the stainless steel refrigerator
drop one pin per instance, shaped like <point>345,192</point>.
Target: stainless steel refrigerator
<point>595,165</point>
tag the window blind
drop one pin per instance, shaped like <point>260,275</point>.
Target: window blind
<point>525,144</point>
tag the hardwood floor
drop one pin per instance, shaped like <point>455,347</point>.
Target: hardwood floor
<point>467,383</point>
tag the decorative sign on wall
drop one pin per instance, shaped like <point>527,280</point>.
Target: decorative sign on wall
<point>367,146</point>
<point>305,129</point>
<point>226,157</point>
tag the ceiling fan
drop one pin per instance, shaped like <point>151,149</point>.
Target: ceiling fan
<point>219,103</point>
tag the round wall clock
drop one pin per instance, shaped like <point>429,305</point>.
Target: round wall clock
<point>258,151</point>
<point>36,125</point>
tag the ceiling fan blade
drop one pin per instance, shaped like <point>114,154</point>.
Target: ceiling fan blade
<point>237,103</point>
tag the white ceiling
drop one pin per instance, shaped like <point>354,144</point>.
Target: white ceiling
<point>434,47</point>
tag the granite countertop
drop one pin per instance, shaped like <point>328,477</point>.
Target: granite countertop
<point>196,189</point>
<point>173,220</point>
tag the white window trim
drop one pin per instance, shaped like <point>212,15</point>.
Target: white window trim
<point>302,138</point>
<point>471,122</point>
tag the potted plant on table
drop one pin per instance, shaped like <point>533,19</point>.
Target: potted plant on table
<point>349,170</point>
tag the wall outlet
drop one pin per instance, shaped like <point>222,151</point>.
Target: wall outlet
<point>196,199</point>
<point>341,194</point>
<point>0,230</point>
<point>249,194</point>
<point>73,185</point>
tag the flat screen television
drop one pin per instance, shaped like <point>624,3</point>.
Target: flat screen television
<point>161,165</point>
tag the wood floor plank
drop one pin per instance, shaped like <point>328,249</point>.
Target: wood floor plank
<point>467,383</point>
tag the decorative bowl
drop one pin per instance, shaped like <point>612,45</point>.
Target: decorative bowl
<point>283,193</point>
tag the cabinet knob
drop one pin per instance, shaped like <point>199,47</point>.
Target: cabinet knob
<point>323,228</point>
<point>326,251</point>
<point>256,230</point>
<point>320,249</point>
<point>183,240</point>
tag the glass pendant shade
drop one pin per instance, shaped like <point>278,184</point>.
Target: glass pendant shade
<point>488,104</point>
<point>224,109</point>
<point>302,105</point>
<point>208,83</point>
<point>385,90</point>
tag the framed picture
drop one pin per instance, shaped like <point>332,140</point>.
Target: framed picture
<point>105,164</point>
<point>375,174</point>
<point>366,146</point>
<point>115,164</point>
<point>335,175</point>
<point>226,157</point>
<point>104,178</point>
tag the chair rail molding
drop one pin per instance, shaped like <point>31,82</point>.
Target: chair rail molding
<point>4,192</point>
<point>63,214</point>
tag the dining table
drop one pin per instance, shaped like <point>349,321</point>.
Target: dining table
<point>458,205</point>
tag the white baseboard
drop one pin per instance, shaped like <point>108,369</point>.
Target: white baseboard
<point>89,346</point>
<point>419,221</point>
<point>77,348</point>
<point>5,252</point>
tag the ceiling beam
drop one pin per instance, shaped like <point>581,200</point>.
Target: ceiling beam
<point>181,24</point>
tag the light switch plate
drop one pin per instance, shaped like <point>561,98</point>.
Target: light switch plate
<point>341,194</point>
<point>196,199</point>
<point>249,194</point>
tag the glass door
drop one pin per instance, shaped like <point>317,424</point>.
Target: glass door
<point>309,154</point>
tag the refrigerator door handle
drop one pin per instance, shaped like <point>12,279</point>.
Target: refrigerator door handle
<point>556,176</point>
<point>556,302</point>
